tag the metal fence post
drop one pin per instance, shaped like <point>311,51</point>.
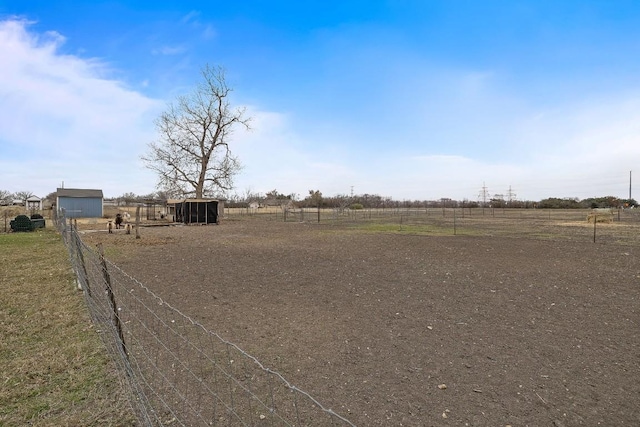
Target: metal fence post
<point>112,301</point>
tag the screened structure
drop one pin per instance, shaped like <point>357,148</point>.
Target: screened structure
<point>196,211</point>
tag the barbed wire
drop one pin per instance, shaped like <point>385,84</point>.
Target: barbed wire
<point>178,371</point>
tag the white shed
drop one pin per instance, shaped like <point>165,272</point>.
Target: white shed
<point>34,203</point>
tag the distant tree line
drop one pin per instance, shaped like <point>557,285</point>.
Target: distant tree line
<point>592,202</point>
<point>131,199</point>
<point>8,198</point>
<point>315,198</point>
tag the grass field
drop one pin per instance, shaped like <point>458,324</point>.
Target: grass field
<point>53,366</point>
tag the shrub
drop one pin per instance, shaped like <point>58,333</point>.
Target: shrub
<point>356,206</point>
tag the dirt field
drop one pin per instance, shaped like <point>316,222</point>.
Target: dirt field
<point>393,329</point>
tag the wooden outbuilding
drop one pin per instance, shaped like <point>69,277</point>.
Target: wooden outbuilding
<point>34,203</point>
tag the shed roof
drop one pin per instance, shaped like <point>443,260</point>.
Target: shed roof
<point>78,192</point>
<point>174,201</point>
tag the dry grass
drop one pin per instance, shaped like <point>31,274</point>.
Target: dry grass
<point>54,369</point>
<point>623,227</point>
<point>605,216</point>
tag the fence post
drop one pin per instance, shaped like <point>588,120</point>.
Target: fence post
<point>595,221</point>
<point>112,300</point>
<point>137,222</point>
<point>78,247</point>
<point>454,220</point>
<point>70,244</point>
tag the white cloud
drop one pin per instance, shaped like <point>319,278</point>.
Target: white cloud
<point>275,156</point>
<point>61,119</point>
<point>577,150</point>
<point>192,19</point>
<point>209,32</point>
<point>169,50</point>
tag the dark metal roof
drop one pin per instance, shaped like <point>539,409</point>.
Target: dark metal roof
<point>78,192</point>
<point>174,201</point>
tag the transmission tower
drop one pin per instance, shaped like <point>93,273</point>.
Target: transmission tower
<point>483,195</point>
<point>511,196</point>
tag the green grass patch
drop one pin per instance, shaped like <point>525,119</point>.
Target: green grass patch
<point>53,365</point>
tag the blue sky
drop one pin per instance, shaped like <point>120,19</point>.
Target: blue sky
<point>408,99</point>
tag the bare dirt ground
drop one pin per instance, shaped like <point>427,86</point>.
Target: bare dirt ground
<point>408,329</point>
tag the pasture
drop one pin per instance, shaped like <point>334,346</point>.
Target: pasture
<point>418,319</point>
<point>53,367</point>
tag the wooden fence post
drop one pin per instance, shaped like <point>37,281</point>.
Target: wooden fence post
<point>78,247</point>
<point>137,222</point>
<point>454,220</point>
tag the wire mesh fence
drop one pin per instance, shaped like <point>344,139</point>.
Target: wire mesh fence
<point>325,214</point>
<point>179,372</point>
<point>614,225</point>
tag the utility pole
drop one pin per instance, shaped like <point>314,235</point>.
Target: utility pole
<point>630,185</point>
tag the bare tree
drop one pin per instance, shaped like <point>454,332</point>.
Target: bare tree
<point>51,197</point>
<point>22,195</point>
<point>127,199</point>
<point>343,201</point>
<point>192,155</point>
<point>5,197</point>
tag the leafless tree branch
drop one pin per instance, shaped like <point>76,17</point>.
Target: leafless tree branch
<point>191,155</point>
